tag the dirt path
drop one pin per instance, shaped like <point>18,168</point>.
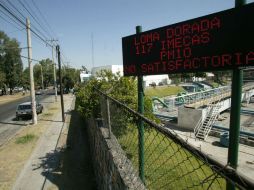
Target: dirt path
<point>75,169</point>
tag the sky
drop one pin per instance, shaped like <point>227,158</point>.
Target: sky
<point>90,32</point>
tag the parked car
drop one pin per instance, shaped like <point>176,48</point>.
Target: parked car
<point>39,92</point>
<point>25,110</point>
<point>17,89</point>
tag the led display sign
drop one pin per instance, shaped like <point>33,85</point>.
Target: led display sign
<point>220,41</point>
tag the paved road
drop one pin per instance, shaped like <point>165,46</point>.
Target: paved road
<point>8,123</point>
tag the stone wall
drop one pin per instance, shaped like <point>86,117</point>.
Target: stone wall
<point>111,167</point>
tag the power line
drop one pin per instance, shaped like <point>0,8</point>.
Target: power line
<point>6,8</point>
<point>37,19</point>
<point>11,18</point>
<point>22,22</point>
<point>28,58</point>
<point>16,9</point>
<point>44,19</point>
<point>19,29</point>
<point>33,19</point>
<point>14,48</point>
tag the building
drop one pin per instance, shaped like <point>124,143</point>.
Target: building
<point>157,80</point>
<point>148,80</point>
<point>113,68</point>
<point>84,76</point>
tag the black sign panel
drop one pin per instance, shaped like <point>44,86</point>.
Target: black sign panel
<point>220,41</point>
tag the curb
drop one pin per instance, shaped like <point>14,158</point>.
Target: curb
<point>46,184</point>
<point>33,176</point>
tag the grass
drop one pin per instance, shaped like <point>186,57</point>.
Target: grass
<point>54,108</point>
<point>25,139</point>
<point>215,85</point>
<point>167,164</point>
<point>162,91</point>
<point>48,114</point>
<point>13,156</point>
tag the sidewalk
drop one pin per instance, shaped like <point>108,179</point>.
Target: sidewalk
<point>35,172</point>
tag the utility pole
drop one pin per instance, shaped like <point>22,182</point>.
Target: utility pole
<point>60,80</point>
<point>32,94</point>
<point>54,66</point>
<point>42,84</point>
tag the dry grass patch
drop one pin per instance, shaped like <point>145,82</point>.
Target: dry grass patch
<point>17,151</point>
<point>47,114</point>
<point>53,108</point>
<point>14,155</point>
<point>8,98</point>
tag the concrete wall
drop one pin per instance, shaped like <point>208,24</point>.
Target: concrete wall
<point>188,117</point>
<point>112,168</point>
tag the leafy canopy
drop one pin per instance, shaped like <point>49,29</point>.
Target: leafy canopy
<point>123,89</point>
<point>11,66</point>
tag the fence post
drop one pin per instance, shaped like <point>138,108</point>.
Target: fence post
<point>234,130</point>
<point>141,123</point>
<point>108,115</point>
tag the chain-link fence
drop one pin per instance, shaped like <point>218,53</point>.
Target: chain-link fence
<point>169,162</point>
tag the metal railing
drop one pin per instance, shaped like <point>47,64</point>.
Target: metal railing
<point>169,161</point>
<point>199,98</point>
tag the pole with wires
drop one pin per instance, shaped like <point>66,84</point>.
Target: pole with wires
<point>54,67</point>
<point>60,80</point>
<point>32,94</point>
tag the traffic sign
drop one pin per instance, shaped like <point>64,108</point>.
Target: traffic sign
<point>219,41</point>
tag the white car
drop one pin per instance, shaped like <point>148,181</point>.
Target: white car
<point>25,110</point>
<point>39,92</point>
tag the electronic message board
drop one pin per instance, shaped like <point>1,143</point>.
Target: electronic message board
<point>220,41</point>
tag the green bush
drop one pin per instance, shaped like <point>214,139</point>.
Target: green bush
<point>123,89</point>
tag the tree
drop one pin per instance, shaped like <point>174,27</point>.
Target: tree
<point>176,78</point>
<point>47,71</point>
<point>123,89</point>
<point>26,78</point>
<point>37,75</point>
<point>221,76</point>
<point>10,61</point>
<point>200,74</point>
<point>70,77</point>
<point>45,68</point>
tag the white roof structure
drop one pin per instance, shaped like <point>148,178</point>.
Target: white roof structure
<point>156,79</point>
<point>85,76</point>
<point>113,68</point>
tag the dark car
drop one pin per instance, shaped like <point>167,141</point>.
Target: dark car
<point>25,110</point>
